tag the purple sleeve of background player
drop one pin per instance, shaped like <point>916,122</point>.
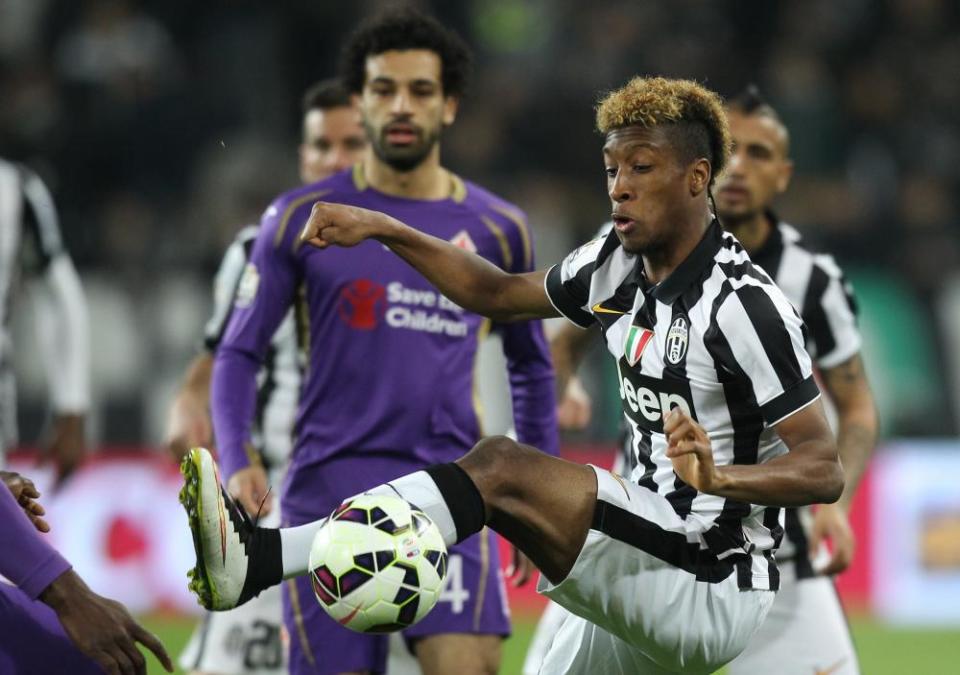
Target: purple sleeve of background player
<point>263,297</point>
<point>529,367</point>
<point>25,558</point>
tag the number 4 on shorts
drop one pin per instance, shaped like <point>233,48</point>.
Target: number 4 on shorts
<point>453,590</point>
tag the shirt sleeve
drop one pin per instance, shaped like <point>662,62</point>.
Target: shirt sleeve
<point>26,559</point>
<point>529,366</point>
<point>264,295</point>
<point>762,339</point>
<point>63,332</point>
<point>830,313</point>
<point>568,283</point>
<point>225,285</point>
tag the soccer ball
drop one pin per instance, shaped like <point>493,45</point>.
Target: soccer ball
<point>378,564</point>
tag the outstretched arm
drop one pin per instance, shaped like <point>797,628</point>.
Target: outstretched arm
<point>466,278</point>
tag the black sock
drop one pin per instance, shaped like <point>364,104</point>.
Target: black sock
<point>266,562</point>
<point>462,498</point>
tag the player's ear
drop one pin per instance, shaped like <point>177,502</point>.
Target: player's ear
<point>450,106</point>
<point>699,176</point>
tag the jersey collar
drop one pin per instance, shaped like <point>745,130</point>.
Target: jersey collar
<point>690,271</point>
<point>771,248</point>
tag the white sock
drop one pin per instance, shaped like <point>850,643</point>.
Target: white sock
<point>295,545</point>
<point>420,490</point>
<point>417,488</point>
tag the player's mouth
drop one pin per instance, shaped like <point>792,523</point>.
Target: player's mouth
<point>734,193</point>
<point>623,224</point>
<point>401,134</point>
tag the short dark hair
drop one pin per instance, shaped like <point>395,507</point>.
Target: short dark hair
<point>326,94</point>
<point>404,29</point>
<point>751,102</point>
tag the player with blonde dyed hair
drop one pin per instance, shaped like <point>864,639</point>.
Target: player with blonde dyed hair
<point>672,568</point>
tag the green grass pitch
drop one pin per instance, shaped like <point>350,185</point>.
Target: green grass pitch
<point>883,650</point>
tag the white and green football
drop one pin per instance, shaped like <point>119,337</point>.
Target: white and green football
<point>378,564</point>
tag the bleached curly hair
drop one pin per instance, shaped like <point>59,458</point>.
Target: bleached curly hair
<point>692,114</point>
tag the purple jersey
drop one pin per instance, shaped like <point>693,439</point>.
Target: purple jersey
<point>26,559</point>
<point>390,362</point>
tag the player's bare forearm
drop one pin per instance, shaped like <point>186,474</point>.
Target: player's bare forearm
<point>858,423</point>
<point>806,475</point>
<point>810,473</point>
<point>465,278</point>
<point>567,348</point>
<point>197,380</point>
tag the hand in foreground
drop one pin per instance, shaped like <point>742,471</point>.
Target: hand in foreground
<point>830,523</point>
<point>690,451</point>
<point>66,446</point>
<point>341,225</point>
<point>101,628</point>
<point>26,494</point>
<point>521,568</point>
<point>249,487</point>
<point>188,425</point>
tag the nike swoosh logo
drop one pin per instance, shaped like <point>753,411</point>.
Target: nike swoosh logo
<point>600,308</point>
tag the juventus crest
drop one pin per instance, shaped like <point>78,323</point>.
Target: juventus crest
<point>677,338</point>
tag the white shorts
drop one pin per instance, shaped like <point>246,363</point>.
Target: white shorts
<point>805,632</point>
<point>634,613</point>
<point>247,640</point>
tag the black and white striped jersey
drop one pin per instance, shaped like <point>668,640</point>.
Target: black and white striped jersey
<point>32,251</point>
<point>718,339</point>
<point>815,285</point>
<point>278,382</point>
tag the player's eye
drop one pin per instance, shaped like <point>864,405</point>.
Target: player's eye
<point>611,172</point>
<point>642,168</point>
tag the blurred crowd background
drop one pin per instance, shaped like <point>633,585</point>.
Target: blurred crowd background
<point>164,126</point>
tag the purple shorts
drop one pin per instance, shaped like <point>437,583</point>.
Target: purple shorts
<point>35,641</point>
<point>474,600</point>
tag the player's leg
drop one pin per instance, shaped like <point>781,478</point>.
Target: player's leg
<point>35,641</point>
<point>464,631</point>
<point>547,628</point>
<point>805,632</point>
<point>542,504</point>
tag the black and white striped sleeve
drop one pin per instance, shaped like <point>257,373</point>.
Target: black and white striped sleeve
<point>830,312</point>
<point>41,225</point>
<point>568,283</point>
<point>766,343</point>
<point>225,286</point>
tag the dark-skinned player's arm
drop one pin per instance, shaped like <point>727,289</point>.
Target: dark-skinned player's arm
<point>466,278</point>
<point>809,474</point>
<point>757,339</point>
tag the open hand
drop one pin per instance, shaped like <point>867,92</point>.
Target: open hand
<point>341,225</point>
<point>690,451</point>
<point>189,425</point>
<point>102,628</point>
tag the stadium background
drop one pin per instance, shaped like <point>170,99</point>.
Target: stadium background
<point>162,127</point>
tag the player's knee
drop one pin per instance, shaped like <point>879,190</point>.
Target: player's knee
<point>493,456</point>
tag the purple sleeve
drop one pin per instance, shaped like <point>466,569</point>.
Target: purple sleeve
<point>529,366</point>
<point>532,385</point>
<point>25,558</point>
<point>263,297</point>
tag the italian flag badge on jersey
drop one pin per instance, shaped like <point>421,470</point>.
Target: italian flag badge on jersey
<point>635,342</point>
